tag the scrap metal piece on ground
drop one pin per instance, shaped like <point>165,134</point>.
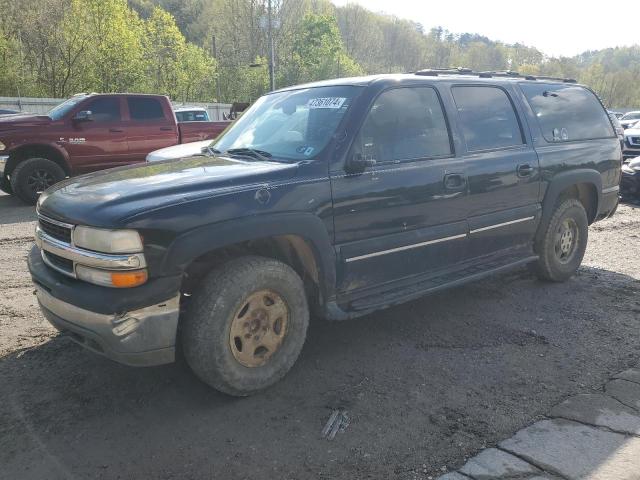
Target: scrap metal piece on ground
<point>338,422</point>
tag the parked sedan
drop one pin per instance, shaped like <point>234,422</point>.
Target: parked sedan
<point>629,119</point>
<point>179,151</point>
<point>631,143</point>
<point>630,183</point>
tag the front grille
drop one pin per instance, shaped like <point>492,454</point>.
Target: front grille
<point>56,231</point>
<point>59,262</point>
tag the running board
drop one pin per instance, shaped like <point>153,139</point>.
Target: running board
<point>364,305</point>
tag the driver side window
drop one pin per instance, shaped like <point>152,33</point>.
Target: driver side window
<point>404,124</point>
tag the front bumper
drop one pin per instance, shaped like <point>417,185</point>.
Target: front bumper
<point>140,336</point>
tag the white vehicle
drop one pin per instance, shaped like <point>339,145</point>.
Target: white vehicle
<point>191,114</point>
<point>178,151</point>
<point>629,119</point>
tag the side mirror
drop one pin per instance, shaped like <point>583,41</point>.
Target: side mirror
<point>83,116</point>
<point>358,163</point>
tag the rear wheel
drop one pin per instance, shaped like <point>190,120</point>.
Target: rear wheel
<point>33,176</point>
<point>246,325</point>
<point>564,242</point>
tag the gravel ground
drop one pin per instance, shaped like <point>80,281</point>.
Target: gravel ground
<point>424,385</point>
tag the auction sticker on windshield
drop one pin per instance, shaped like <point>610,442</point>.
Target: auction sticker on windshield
<point>326,102</point>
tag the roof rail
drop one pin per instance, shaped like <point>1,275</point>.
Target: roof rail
<point>434,72</point>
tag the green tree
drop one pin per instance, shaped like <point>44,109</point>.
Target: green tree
<point>318,52</point>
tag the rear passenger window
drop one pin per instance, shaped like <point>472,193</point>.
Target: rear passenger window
<point>567,112</point>
<point>487,118</point>
<point>404,123</point>
<point>145,109</point>
<point>104,109</point>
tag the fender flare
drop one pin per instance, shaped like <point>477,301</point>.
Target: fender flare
<point>560,182</point>
<point>63,154</point>
<point>199,241</point>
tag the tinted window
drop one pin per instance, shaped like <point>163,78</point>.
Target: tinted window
<point>104,109</point>
<point>141,108</point>
<point>404,123</point>
<point>567,112</point>
<point>487,118</point>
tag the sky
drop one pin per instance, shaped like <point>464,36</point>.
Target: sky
<point>555,27</point>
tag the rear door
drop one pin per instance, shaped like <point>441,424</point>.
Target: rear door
<point>405,216</point>
<point>151,125</point>
<point>502,169</point>
<point>101,142</point>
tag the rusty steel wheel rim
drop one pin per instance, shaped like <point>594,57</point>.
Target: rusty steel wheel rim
<point>258,328</point>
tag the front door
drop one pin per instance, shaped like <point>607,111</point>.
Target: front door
<point>101,142</point>
<point>502,171</point>
<point>404,216</point>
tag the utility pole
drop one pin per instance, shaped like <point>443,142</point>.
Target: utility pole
<point>272,82</point>
<point>215,55</point>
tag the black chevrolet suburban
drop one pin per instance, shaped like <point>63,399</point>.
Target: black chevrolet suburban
<point>335,199</point>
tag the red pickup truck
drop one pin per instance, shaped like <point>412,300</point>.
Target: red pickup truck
<point>89,132</point>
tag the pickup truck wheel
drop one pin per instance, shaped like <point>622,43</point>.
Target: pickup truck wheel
<point>5,185</point>
<point>246,325</point>
<point>562,247</point>
<point>33,176</point>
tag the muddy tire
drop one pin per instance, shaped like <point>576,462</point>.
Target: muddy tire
<point>246,325</point>
<point>33,176</point>
<point>563,243</point>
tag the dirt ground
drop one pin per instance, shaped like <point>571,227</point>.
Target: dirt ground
<point>424,385</point>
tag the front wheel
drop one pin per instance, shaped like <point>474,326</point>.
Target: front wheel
<point>33,176</point>
<point>246,325</point>
<point>564,242</point>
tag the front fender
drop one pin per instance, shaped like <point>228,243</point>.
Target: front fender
<point>197,242</point>
<point>16,150</point>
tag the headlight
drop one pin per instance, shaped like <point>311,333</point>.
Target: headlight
<point>108,278</point>
<point>107,241</point>
<point>2,146</point>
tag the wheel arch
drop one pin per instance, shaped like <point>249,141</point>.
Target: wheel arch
<point>582,184</point>
<point>299,240</point>
<point>48,151</point>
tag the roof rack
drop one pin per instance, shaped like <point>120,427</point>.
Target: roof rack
<point>434,72</point>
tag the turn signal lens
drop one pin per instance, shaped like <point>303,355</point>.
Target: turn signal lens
<point>128,279</point>
<point>110,278</point>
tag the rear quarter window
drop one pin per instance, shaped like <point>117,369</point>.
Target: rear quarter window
<point>567,113</point>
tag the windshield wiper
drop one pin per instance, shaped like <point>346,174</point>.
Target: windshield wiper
<point>250,152</point>
<point>210,151</point>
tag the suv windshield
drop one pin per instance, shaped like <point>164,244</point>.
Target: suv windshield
<point>292,125</point>
<point>59,111</point>
<point>631,116</point>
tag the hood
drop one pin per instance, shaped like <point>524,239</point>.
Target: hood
<point>9,122</point>
<point>178,151</point>
<point>108,198</point>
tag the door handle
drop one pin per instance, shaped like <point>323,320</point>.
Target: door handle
<point>116,130</point>
<point>524,170</point>
<point>455,182</point>
<point>166,129</point>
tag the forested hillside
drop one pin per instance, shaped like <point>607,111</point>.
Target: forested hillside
<point>217,49</point>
